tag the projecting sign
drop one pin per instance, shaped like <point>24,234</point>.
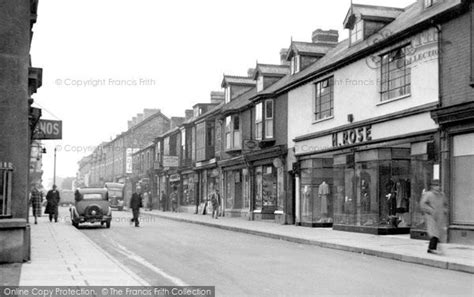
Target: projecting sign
<point>48,129</point>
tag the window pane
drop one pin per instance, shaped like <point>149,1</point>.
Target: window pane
<point>269,129</point>
<point>258,112</point>
<point>228,140</point>
<point>236,123</point>
<point>228,120</point>
<point>236,139</point>
<point>269,109</point>
<point>258,130</point>
<point>396,75</point>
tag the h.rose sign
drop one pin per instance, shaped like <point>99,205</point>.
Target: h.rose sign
<point>48,129</point>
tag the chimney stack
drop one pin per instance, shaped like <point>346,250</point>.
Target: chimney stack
<point>325,37</point>
<point>149,112</point>
<point>283,53</point>
<point>188,114</point>
<point>250,72</point>
<point>139,118</point>
<point>217,97</point>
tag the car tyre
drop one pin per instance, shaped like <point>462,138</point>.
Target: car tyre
<point>107,224</point>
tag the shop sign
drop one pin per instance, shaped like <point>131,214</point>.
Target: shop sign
<point>128,159</point>
<point>170,161</point>
<point>352,136</point>
<point>48,129</point>
<point>251,144</point>
<point>175,178</point>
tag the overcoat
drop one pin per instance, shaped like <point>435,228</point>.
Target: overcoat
<point>53,201</point>
<point>36,201</point>
<point>434,206</point>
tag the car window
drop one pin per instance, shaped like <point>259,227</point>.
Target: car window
<point>115,193</point>
<point>92,196</point>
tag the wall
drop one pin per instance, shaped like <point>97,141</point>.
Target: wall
<point>14,130</point>
<point>356,91</point>
<point>456,61</point>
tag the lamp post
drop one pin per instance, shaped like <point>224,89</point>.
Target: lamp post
<point>54,177</point>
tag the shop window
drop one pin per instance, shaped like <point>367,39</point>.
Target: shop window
<point>396,74</point>
<point>324,101</point>
<point>5,191</point>
<point>258,186</point>
<point>463,177</point>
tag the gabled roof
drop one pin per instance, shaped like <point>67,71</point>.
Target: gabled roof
<point>271,70</point>
<point>413,15</point>
<point>239,102</point>
<point>237,80</point>
<point>306,49</point>
<point>209,113</point>
<point>371,12</point>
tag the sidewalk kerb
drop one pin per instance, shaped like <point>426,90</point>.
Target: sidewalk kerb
<point>372,252</point>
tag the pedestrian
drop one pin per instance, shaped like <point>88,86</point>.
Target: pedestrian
<point>135,204</point>
<point>36,199</point>
<point>146,200</point>
<point>52,198</point>
<point>434,206</point>
<point>174,201</point>
<point>215,201</point>
<point>150,202</point>
<point>164,199</point>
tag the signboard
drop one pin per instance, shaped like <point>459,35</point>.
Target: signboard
<point>175,178</point>
<point>48,129</point>
<point>352,136</point>
<point>251,145</point>
<point>128,159</point>
<point>170,161</point>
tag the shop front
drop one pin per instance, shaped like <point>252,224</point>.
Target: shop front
<point>208,177</point>
<point>236,192</point>
<point>367,178</point>
<point>187,201</point>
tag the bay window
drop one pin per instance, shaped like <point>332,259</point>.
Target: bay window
<point>264,116</point>
<point>232,132</point>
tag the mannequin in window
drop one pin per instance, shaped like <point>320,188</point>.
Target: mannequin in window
<point>323,192</point>
<point>365,195</point>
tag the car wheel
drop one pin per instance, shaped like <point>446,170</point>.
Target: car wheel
<point>107,224</point>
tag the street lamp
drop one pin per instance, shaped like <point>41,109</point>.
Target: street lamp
<point>54,177</point>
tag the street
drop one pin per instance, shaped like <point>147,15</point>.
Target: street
<point>165,252</point>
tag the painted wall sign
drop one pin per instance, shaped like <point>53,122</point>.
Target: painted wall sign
<point>48,129</point>
<point>352,136</point>
<point>170,161</point>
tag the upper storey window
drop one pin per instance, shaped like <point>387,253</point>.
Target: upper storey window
<point>227,94</point>
<point>396,75</point>
<point>357,33</point>
<point>295,64</point>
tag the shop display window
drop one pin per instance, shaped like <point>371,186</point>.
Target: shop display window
<point>5,191</point>
<point>373,188</point>
<point>463,179</point>
<point>316,191</point>
<point>258,187</point>
<point>229,190</point>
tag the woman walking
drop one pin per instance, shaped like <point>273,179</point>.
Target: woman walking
<point>434,205</point>
<point>36,199</point>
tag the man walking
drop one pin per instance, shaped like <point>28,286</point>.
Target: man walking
<point>36,199</point>
<point>135,204</point>
<point>53,202</point>
<point>215,201</point>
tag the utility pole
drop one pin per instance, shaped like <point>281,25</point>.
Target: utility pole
<point>54,177</point>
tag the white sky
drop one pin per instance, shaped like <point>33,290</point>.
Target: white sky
<point>182,47</point>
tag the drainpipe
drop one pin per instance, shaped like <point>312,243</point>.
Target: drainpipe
<point>297,200</point>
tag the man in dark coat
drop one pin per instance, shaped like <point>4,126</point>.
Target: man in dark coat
<point>36,199</point>
<point>135,204</point>
<point>52,206</point>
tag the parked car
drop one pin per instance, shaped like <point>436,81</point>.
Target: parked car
<point>91,206</point>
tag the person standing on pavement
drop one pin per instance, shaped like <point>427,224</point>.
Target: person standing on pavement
<point>164,199</point>
<point>434,206</point>
<point>146,200</point>
<point>174,200</point>
<point>135,204</point>
<point>52,197</point>
<point>36,199</point>
<point>215,201</point>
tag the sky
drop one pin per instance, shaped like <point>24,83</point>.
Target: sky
<point>104,61</point>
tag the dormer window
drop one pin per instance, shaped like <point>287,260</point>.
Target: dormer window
<point>227,94</point>
<point>295,64</point>
<point>260,83</point>
<point>357,33</point>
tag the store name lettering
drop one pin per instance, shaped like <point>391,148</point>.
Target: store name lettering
<point>352,136</point>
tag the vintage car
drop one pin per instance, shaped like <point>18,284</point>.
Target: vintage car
<point>116,194</point>
<point>91,206</point>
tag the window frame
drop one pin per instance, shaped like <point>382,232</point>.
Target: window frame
<point>231,132</point>
<point>386,72</point>
<point>260,83</point>
<point>227,94</point>
<point>317,104</point>
<point>6,174</point>
<point>355,31</point>
<point>295,64</point>
<point>261,120</point>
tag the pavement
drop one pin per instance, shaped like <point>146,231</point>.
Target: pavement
<point>455,257</point>
<point>61,254</point>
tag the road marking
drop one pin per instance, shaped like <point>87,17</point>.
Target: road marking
<point>124,251</point>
